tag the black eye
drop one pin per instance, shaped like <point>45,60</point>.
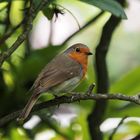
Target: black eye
<point>77,49</point>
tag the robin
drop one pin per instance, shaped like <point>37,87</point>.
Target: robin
<point>61,75</point>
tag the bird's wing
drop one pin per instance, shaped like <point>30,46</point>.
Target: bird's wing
<point>57,71</point>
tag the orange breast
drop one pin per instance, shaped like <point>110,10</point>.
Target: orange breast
<point>80,58</point>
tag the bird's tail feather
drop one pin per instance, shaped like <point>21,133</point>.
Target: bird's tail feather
<point>27,109</point>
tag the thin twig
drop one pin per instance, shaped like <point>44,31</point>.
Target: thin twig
<point>115,129</point>
<point>86,25</point>
<point>22,37</point>
<point>102,77</point>
<point>76,96</point>
<point>51,124</point>
<point>70,14</point>
<point>32,14</point>
<point>6,36</point>
<point>3,8</point>
<point>90,89</point>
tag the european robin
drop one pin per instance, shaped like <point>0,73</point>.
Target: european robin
<point>61,75</point>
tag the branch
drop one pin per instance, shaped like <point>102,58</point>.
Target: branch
<point>99,109</point>
<point>115,130</point>
<point>6,36</point>
<point>94,121</point>
<point>20,39</point>
<point>24,35</point>
<point>86,25</point>
<point>51,124</point>
<point>76,96</point>
<point>32,14</point>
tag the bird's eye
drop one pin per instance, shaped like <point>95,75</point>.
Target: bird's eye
<point>77,49</point>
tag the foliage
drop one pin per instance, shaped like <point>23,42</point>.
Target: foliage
<point>20,69</point>
<point>108,5</point>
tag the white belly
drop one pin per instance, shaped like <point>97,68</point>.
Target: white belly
<point>68,85</point>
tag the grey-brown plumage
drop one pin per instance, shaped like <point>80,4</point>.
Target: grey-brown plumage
<point>62,68</point>
<point>62,74</point>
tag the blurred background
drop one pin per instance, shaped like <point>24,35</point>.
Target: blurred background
<point>55,28</point>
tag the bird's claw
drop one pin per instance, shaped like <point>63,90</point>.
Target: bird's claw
<point>72,97</point>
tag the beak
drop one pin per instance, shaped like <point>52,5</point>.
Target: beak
<point>89,53</point>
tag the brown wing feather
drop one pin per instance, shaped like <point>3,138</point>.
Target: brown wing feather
<point>57,71</point>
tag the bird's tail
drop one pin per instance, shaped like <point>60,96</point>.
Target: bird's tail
<point>27,109</point>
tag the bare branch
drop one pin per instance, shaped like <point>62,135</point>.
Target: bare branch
<point>90,89</point>
<point>23,36</point>
<point>73,98</point>
<point>102,77</point>
<point>6,36</point>
<point>86,25</point>
<point>115,130</point>
<point>32,14</point>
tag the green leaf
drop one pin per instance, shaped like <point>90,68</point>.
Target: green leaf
<point>128,84</point>
<point>108,5</point>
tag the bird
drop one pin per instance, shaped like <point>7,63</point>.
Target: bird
<point>62,74</point>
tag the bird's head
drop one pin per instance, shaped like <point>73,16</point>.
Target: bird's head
<point>78,49</point>
<point>79,52</point>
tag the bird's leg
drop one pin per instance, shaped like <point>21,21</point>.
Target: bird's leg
<point>73,95</point>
